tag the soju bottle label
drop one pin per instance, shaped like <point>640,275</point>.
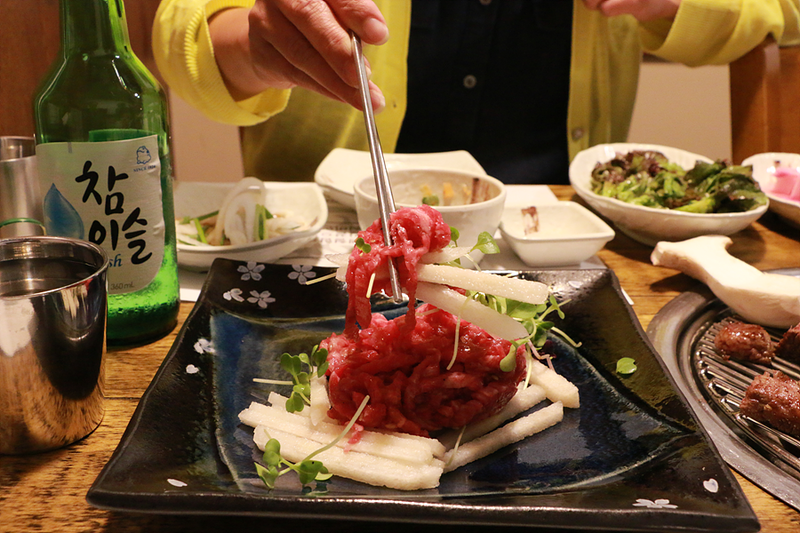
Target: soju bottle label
<point>108,193</point>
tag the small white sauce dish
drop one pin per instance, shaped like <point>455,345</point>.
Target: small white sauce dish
<point>303,201</point>
<point>568,234</point>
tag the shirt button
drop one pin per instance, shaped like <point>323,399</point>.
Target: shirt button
<point>470,81</point>
<point>577,134</point>
<point>486,2</point>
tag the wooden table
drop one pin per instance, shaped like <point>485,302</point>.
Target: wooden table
<point>46,492</point>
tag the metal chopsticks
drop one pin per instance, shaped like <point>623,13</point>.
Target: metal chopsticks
<point>382,186</point>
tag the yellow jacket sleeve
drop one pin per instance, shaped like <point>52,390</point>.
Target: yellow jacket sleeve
<point>707,32</point>
<point>185,58</point>
<point>606,52</point>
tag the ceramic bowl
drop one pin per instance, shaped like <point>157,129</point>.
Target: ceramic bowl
<point>763,172</point>
<point>649,225</point>
<point>568,234</point>
<point>338,173</point>
<point>303,200</point>
<point>409,188</point>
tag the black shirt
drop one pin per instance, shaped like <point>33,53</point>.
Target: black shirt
<point>491,77</point>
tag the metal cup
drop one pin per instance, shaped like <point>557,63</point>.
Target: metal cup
<point>53,310</point>
<point>20,195</point>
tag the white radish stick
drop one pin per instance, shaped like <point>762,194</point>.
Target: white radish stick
<point>522,401</point>
<point>522,290</point>
<point>509,434</point>
<point>320,402</point>
<point>358,466</point>
<point>557,387</point>
<point>380,444</point>
<point>491,321</point>
<point>436,448</point>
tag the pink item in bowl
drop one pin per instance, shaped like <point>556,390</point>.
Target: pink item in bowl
<point>786,182</point>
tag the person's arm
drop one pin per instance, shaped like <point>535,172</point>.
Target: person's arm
<point>704,32</point>
<point>642,10</point>
<point>280,44</point>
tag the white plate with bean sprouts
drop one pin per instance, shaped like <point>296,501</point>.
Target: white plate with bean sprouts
<point>251,220</point>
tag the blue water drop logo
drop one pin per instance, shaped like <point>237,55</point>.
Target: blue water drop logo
<point>60,217</point>
<point>143,155</point>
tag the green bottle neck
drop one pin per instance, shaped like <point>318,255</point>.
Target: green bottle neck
<point>94,27</point>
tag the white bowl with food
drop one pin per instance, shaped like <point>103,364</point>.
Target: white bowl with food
<point>470,202</point>
<point>553,235</point>
<point>251,220</point>
<point>338,173</point>
<point>649,225</point>
<point>778,173</point>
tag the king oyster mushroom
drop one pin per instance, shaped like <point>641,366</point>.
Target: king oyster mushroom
<point>759,297</point>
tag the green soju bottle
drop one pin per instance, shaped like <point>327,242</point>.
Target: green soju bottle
<point>102,133</point>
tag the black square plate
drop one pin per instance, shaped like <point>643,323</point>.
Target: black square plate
<point>631,457</point>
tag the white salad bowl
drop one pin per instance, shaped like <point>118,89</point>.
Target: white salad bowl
<point>408,188</point>
<point>568,234</point>
<point>303,201</point>
<point>649,225</point>
<point>763,169</point>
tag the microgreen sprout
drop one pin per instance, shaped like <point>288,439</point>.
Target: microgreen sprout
<point>301,382</point>
<point>532,316</point>
<point>458,327</point>
<point>457,444</point>
<point>362,245</point>
<point>307,470</point>
<point>509,362</point>
<point>626,366</point>
<point>486,244</point>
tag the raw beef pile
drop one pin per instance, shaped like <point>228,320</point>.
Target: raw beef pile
<point>405,373</point>
<point>415,231</point>
<point>402,364</point>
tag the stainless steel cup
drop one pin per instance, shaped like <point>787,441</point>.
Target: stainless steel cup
<point>20,195</point>
<point>53,310</point>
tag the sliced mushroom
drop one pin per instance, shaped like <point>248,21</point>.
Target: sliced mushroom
<point>759,297</point>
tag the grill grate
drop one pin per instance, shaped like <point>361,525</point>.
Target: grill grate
<point>725,381</point>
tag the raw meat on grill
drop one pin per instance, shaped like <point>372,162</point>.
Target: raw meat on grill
<point>789,346</point>
<point>745,342</point>
<point>774,399</point>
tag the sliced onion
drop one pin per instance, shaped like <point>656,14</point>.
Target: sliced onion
<point>216,235</point>
<point>238,223</point>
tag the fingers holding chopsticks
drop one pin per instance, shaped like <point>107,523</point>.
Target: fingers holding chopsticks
<point>305,43</point>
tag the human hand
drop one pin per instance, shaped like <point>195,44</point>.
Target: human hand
<point>291,43</point>
<point>642,10</point>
